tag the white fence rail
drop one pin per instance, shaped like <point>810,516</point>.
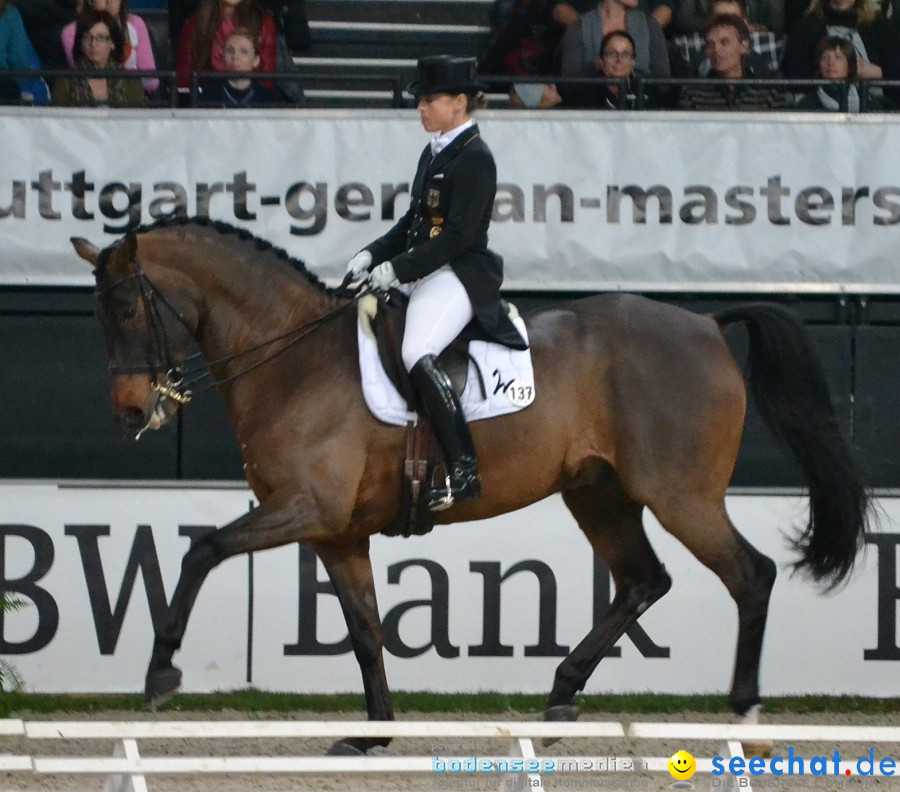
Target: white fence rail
<point>126,770</point>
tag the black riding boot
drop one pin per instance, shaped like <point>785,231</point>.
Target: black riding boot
<point>449,424</point>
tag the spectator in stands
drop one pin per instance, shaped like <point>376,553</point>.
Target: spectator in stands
<point>835,60</point>
<point>44,19</point>
<point>34,89</point>
<point>761,15</point>
<point>101,44</point>
<point>526,45</point>
<point>241,55</point>
<point>138,49</point>
<point>202,46</point>
<point>582,41</point>
<point>873,38</point>
<point>727,45</point>
<point>13,51</point>
<point>688,52</point>
<point>567,12</point>
<point>289,17</point>
<point>617,61</point>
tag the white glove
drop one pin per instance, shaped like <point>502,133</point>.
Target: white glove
<point>383,276</point>
<point>359,264</point>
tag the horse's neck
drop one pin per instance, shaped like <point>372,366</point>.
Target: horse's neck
<point>243,299</point>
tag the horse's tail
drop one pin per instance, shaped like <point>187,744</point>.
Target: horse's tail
<point>788,383</point>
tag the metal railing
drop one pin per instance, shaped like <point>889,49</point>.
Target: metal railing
<point>165,95</point>
<point>385,87</point>
<point>666,91</point>
<point>643,93</point>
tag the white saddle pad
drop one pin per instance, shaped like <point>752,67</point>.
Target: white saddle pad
<point>508,380</point>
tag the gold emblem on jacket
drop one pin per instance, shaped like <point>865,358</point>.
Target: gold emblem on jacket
<point>436,222</point>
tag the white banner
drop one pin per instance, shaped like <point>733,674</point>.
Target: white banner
<point>587,201</point>
<point>492,605</point>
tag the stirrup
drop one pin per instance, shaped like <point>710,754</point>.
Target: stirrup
<point>441,501</point>
<point>460,483</point>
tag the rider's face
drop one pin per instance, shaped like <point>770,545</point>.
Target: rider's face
<point>442,112</point>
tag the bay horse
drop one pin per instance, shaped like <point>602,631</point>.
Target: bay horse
<point>639,405</point>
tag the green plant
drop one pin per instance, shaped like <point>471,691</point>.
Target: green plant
<point>10,680</point>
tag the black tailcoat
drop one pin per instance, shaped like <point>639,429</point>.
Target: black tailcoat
<point>447,223</point>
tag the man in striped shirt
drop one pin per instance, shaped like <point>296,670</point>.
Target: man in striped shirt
<point>727,44</point>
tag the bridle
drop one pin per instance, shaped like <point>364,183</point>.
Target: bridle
<point>177,381</point>
<point>160,359</point>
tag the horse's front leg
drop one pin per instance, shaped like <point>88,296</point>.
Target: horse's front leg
<point>281,519</point>
<point>350,571</point>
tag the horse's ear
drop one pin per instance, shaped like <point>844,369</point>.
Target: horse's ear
<point>124,252</point>
<point>128,248</point>
<point>87,251</point>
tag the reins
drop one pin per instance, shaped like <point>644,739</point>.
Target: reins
<point>302,331</point>
<point>181,379</point>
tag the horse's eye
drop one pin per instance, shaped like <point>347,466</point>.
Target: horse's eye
<point>128,314</point>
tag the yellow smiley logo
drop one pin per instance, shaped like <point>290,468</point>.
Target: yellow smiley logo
<point>682,766</point>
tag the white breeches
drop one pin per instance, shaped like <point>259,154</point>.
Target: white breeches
<point>439,308</point>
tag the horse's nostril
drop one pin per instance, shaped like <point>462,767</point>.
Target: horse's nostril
<point>132,417</point>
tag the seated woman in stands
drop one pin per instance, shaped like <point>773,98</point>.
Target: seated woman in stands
<point>138,49</point>
<point>835,60</point>
<point>241,55</point>
<point>101,45</point>
<point>202,45</point>
<point>617,61</point>
<point>582,41</point>
<point>858,21</point>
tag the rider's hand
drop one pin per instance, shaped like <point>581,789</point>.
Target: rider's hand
<point>359,265</point>
<point>383,276</point>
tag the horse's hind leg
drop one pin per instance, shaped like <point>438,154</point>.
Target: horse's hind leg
<point>350,571</point>
<point>705,529</point>
<point>612,523</point>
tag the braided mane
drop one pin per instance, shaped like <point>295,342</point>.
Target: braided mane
<point>262,245</point>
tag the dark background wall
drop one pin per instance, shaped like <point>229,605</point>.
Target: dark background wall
<point>55,420</point>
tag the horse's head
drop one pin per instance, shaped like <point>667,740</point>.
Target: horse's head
<point>148,326</point>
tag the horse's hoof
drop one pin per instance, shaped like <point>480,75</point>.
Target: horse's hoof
<point>344,748</point>
<point>752,748</point>
<point>161,685</point>
<point>561,713</point>
<point>763,748</point>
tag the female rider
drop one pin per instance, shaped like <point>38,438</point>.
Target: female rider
<point>439,250</point>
